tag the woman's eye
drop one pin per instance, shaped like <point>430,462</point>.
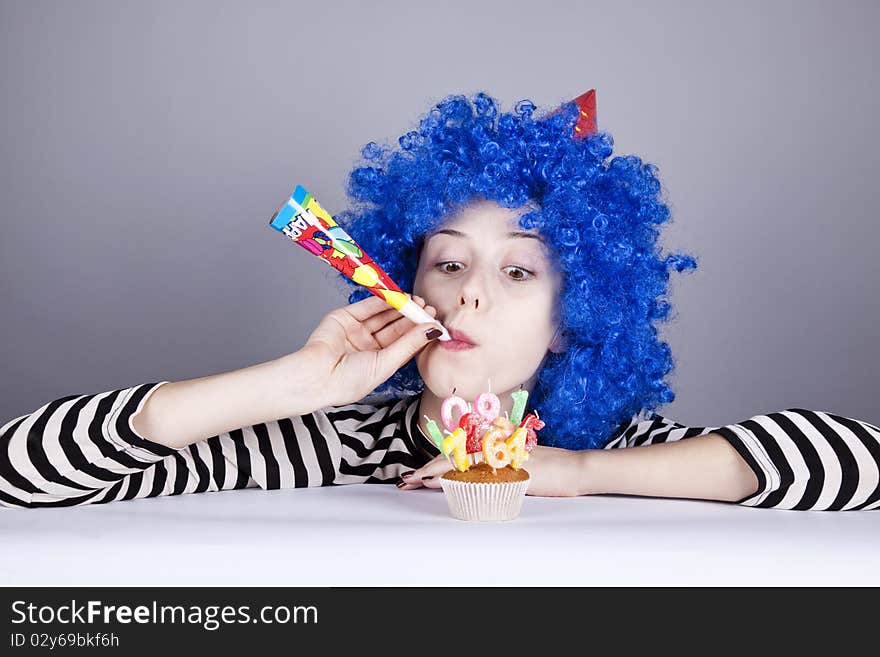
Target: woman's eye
<point>442,266</point>
<point>518,273</point>
<point>521,274</point>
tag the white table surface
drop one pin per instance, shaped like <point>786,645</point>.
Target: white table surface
<point>375,535</point>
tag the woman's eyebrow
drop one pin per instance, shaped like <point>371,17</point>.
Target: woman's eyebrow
<point>458,233</point>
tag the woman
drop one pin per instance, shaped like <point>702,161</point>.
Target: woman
<point>540,257</point>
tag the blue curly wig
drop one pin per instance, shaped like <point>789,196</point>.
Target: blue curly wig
<point>599,218</point>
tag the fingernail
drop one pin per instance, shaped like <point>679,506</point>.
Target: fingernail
<point>400,484</point>
<point>426,478</point>
<point>407,475</point>
<point>433,334</point>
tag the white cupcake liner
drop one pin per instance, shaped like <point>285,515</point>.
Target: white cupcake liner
<point>469,500</point>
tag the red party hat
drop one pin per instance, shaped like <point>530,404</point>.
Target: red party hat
<point>586,124</point>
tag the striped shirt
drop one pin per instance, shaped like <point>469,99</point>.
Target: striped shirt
<point>81,449</point>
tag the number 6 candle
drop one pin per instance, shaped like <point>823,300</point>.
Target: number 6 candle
<point>305,222</point>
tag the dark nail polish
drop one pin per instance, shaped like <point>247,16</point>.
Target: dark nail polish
<point>407,475</point>
<point>426,478</point>
<point>433,334</point>
<point>400,484</point>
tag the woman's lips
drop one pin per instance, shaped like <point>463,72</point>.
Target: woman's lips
<point>456,345</point>
<point>460,341</point>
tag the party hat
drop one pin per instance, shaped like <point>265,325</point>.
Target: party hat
<point>586,124</point>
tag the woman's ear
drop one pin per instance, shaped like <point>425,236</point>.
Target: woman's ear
<point>559,343</point>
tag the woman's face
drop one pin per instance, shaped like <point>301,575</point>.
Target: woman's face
<point>495,283</point>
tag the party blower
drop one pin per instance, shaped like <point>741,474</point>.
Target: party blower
<point>305,222</point>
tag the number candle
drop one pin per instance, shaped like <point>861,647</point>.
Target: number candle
<point>434,430</point>
<point>519,405</point>
<point>517,445</point>
<point>446,408</point>
<point>495,450</point>
<point>456,443</point>
<point>488,405</point>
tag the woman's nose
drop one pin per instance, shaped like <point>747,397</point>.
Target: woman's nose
<point>467,301</point>
<point>473,292</point>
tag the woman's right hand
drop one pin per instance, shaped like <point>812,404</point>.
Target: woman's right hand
<point>358,347</point>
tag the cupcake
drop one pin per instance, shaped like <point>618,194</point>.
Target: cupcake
<point>485,493</point>
<point>488,451</point>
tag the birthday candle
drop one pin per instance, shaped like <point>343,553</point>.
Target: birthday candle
<point>434,430</point>
<point>456,443</point>
<point>304,221</point>
<point>449,404</point>
<point>517,445</point>
<point>488,405</point>
<point>496,451</point>
<point>519,405</point>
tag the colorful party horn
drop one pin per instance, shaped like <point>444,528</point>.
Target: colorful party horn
<point>305,222</point>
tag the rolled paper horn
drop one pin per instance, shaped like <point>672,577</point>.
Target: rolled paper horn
<point>306,223</point>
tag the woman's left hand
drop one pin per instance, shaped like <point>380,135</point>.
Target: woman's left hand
<point>553,472</point>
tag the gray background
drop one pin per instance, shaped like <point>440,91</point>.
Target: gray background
<point>143,147</point>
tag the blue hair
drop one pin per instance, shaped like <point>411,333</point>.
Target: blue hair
<point>599,218</point>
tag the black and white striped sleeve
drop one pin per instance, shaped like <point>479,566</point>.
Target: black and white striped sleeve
<point>803,459</point>
<point>82,449</point>
<point>379,442</point>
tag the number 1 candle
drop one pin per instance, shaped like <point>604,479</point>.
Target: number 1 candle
<point>456,443</point>
<point>519,405</point>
